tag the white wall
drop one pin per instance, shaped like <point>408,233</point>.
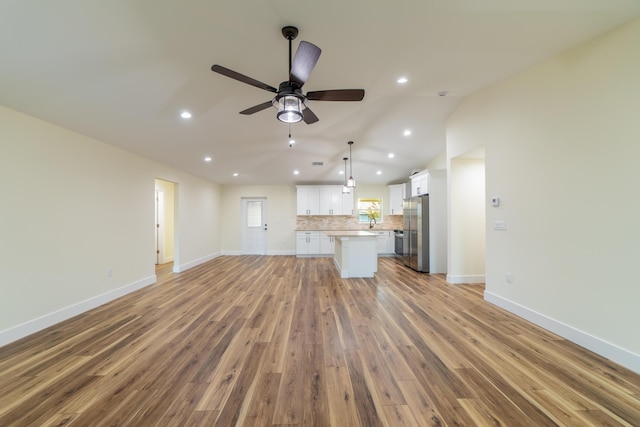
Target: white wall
<point>562,146</point>
<point>438,162</point>
<point>73,208</point>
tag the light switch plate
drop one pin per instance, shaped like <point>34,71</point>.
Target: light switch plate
<point>500,225</point>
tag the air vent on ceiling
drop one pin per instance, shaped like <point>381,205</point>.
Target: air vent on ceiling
<point>317,164</point>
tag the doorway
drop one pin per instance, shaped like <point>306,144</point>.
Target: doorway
<point>164,221</point>
<point>254,226</point>
<point>467,218</point>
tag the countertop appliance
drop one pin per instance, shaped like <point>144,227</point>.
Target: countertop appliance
<point>416,233</point>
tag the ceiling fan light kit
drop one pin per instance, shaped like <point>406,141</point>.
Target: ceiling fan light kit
<point>290,101</point>
<point>289,109</point>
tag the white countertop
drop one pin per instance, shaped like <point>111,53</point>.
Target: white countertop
<point>349,233</point>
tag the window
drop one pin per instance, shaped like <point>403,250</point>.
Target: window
<point>370,210</point>
<point>254,214</point>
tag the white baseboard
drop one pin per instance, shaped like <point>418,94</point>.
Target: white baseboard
<point>269,253</point>
<point>182,267</point>
<point>282,252</point>
<point>460,279</point>
<point>167,259</point>
<point>603,348</point>
<point>231,253</point>
<point>27,328</point>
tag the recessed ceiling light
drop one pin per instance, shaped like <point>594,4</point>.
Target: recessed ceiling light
<point>407,132</point>
<point>185,115</point>
<point>235,174</point>
<point>207,159</point>
<point>391,155</point>
<point>296,172</point>
<point>379,173</point>
<point>402,80</point>
<point>341,172</point>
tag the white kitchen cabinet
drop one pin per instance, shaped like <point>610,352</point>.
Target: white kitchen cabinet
<point>307,243</point>
<point>396,198</point>
<point>347,203</point>
<point>323,200</point>
<point>330,200</point>
<point>308,200</point>
<point>386,242</point>
<point>327,244</point>
<point>420,183</point>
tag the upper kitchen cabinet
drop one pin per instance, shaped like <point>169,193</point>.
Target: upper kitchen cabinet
<point>330,200</point>
<point>396,197</point>
<point>347,202</point>
<point>308,200</point>
<point>420,183</point>
<point>323,200</point>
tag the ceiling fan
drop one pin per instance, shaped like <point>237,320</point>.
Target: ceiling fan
<point>289,100</point>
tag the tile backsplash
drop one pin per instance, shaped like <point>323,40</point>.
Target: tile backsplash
<point>339,222</point>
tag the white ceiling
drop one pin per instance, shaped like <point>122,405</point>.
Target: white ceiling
<point>121,71</point>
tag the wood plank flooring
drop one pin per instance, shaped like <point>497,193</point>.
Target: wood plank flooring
<point>273,341</point>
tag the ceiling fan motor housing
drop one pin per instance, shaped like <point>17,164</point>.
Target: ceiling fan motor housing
<point>289,89</point>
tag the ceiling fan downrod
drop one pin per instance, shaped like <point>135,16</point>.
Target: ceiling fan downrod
<point>290,33</point>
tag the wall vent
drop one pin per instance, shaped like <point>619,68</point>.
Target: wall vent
<point>317,164</point>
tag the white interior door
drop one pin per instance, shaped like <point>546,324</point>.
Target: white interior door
<point>159,227</point>
<point>254,226</point>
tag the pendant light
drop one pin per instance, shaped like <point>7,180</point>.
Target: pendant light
<point>345,189</point>
<point>351,183</point>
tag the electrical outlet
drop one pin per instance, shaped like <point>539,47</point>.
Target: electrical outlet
<point>508,277</point>
<point>109,271</point>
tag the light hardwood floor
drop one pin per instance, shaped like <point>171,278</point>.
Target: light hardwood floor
<point>266,341</point>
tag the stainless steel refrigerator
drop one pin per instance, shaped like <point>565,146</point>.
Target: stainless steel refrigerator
<point>415,253</point>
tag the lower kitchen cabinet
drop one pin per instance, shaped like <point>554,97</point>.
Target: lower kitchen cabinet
<point>386,242</point>
<point>307,243</point>
<point>327,244</point>
<point>317,243</point>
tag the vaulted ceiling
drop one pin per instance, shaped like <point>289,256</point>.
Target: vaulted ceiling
<point>122,72</point>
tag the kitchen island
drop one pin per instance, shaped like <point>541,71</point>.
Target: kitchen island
<point>356,253</point>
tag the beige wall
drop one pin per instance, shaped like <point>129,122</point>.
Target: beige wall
<point>75,209</point>
<point>281,217</point>
<point>466,221</point>
<point>562,146</point>
<point>281,214</point>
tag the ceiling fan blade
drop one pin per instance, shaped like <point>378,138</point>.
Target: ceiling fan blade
<point>303,63</point>
<point>257,108</point>
<point>242,78</point>
<point>336,95</point>
<point>308,116</point>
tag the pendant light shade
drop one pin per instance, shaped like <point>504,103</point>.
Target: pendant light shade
<point>351,183</point>
<point>345,189</point>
